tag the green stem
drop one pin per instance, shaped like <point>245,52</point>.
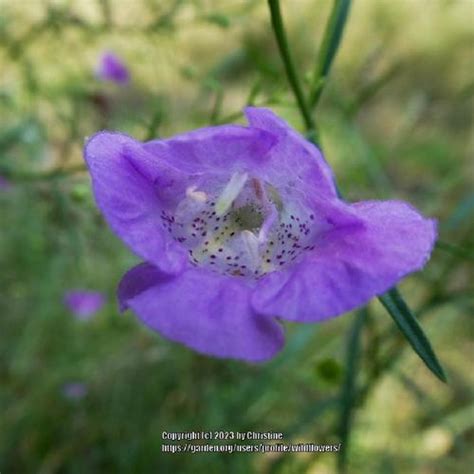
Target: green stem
<point>331,40</point>
<point>348,393</point>
<point>280,36</point>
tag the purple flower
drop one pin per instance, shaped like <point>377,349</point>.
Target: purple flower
<point>112,68</point>
<point>74,390</point>
<point>239,226</point>
<point>83,303</point>
<point>5,185</point>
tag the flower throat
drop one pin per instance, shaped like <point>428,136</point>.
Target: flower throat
<point>244,230</point>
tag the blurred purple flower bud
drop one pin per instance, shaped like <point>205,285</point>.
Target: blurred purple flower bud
<point>5,185</point>
<point>112,68</point>
<point>74,390</point>
<point>83,303</point>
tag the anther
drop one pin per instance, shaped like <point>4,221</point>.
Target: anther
<point>230,192</point>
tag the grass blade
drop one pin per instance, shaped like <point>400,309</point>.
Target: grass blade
<point>408,325</point>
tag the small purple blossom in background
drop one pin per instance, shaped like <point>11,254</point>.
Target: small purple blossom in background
<point>84,303</point>
<point>112,68</point>
<point>74,390</point>
<point>239,226</point>
<point>5,185</point>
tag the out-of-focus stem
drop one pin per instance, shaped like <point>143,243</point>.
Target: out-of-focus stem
<point>280,36</point>
<point>348,393</point>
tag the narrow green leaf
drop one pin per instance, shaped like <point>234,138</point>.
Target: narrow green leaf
<point>408,325</point>
<point>330,45</point>
<point>348,391</point>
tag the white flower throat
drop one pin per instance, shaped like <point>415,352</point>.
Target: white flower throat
<point>242,230</point>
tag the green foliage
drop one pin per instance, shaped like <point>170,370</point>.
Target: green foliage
<point>406,322</point>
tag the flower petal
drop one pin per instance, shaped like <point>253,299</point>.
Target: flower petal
<point>295,161</point>
<point>137,280</point>
<point>207,312</point>
<point>350,265</point>
<point>224,149</point>
<point>131,188</point>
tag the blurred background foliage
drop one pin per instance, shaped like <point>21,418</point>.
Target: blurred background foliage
<point>396,121</point>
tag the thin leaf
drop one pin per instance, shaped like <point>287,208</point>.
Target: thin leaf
<point>330,45</point>
<point>408,325</point>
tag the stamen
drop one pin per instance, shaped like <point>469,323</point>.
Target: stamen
<point>259,189</point>
<point>251,246</point>
<point>270,211</point>
<point>267,223</point>
<point>199,196</point>
<point>230,192</point>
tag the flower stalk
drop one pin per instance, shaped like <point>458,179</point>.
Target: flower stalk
<point>292,75</point>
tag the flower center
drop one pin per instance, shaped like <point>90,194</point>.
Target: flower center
<point>248,216</point>
<point>244,229</point>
